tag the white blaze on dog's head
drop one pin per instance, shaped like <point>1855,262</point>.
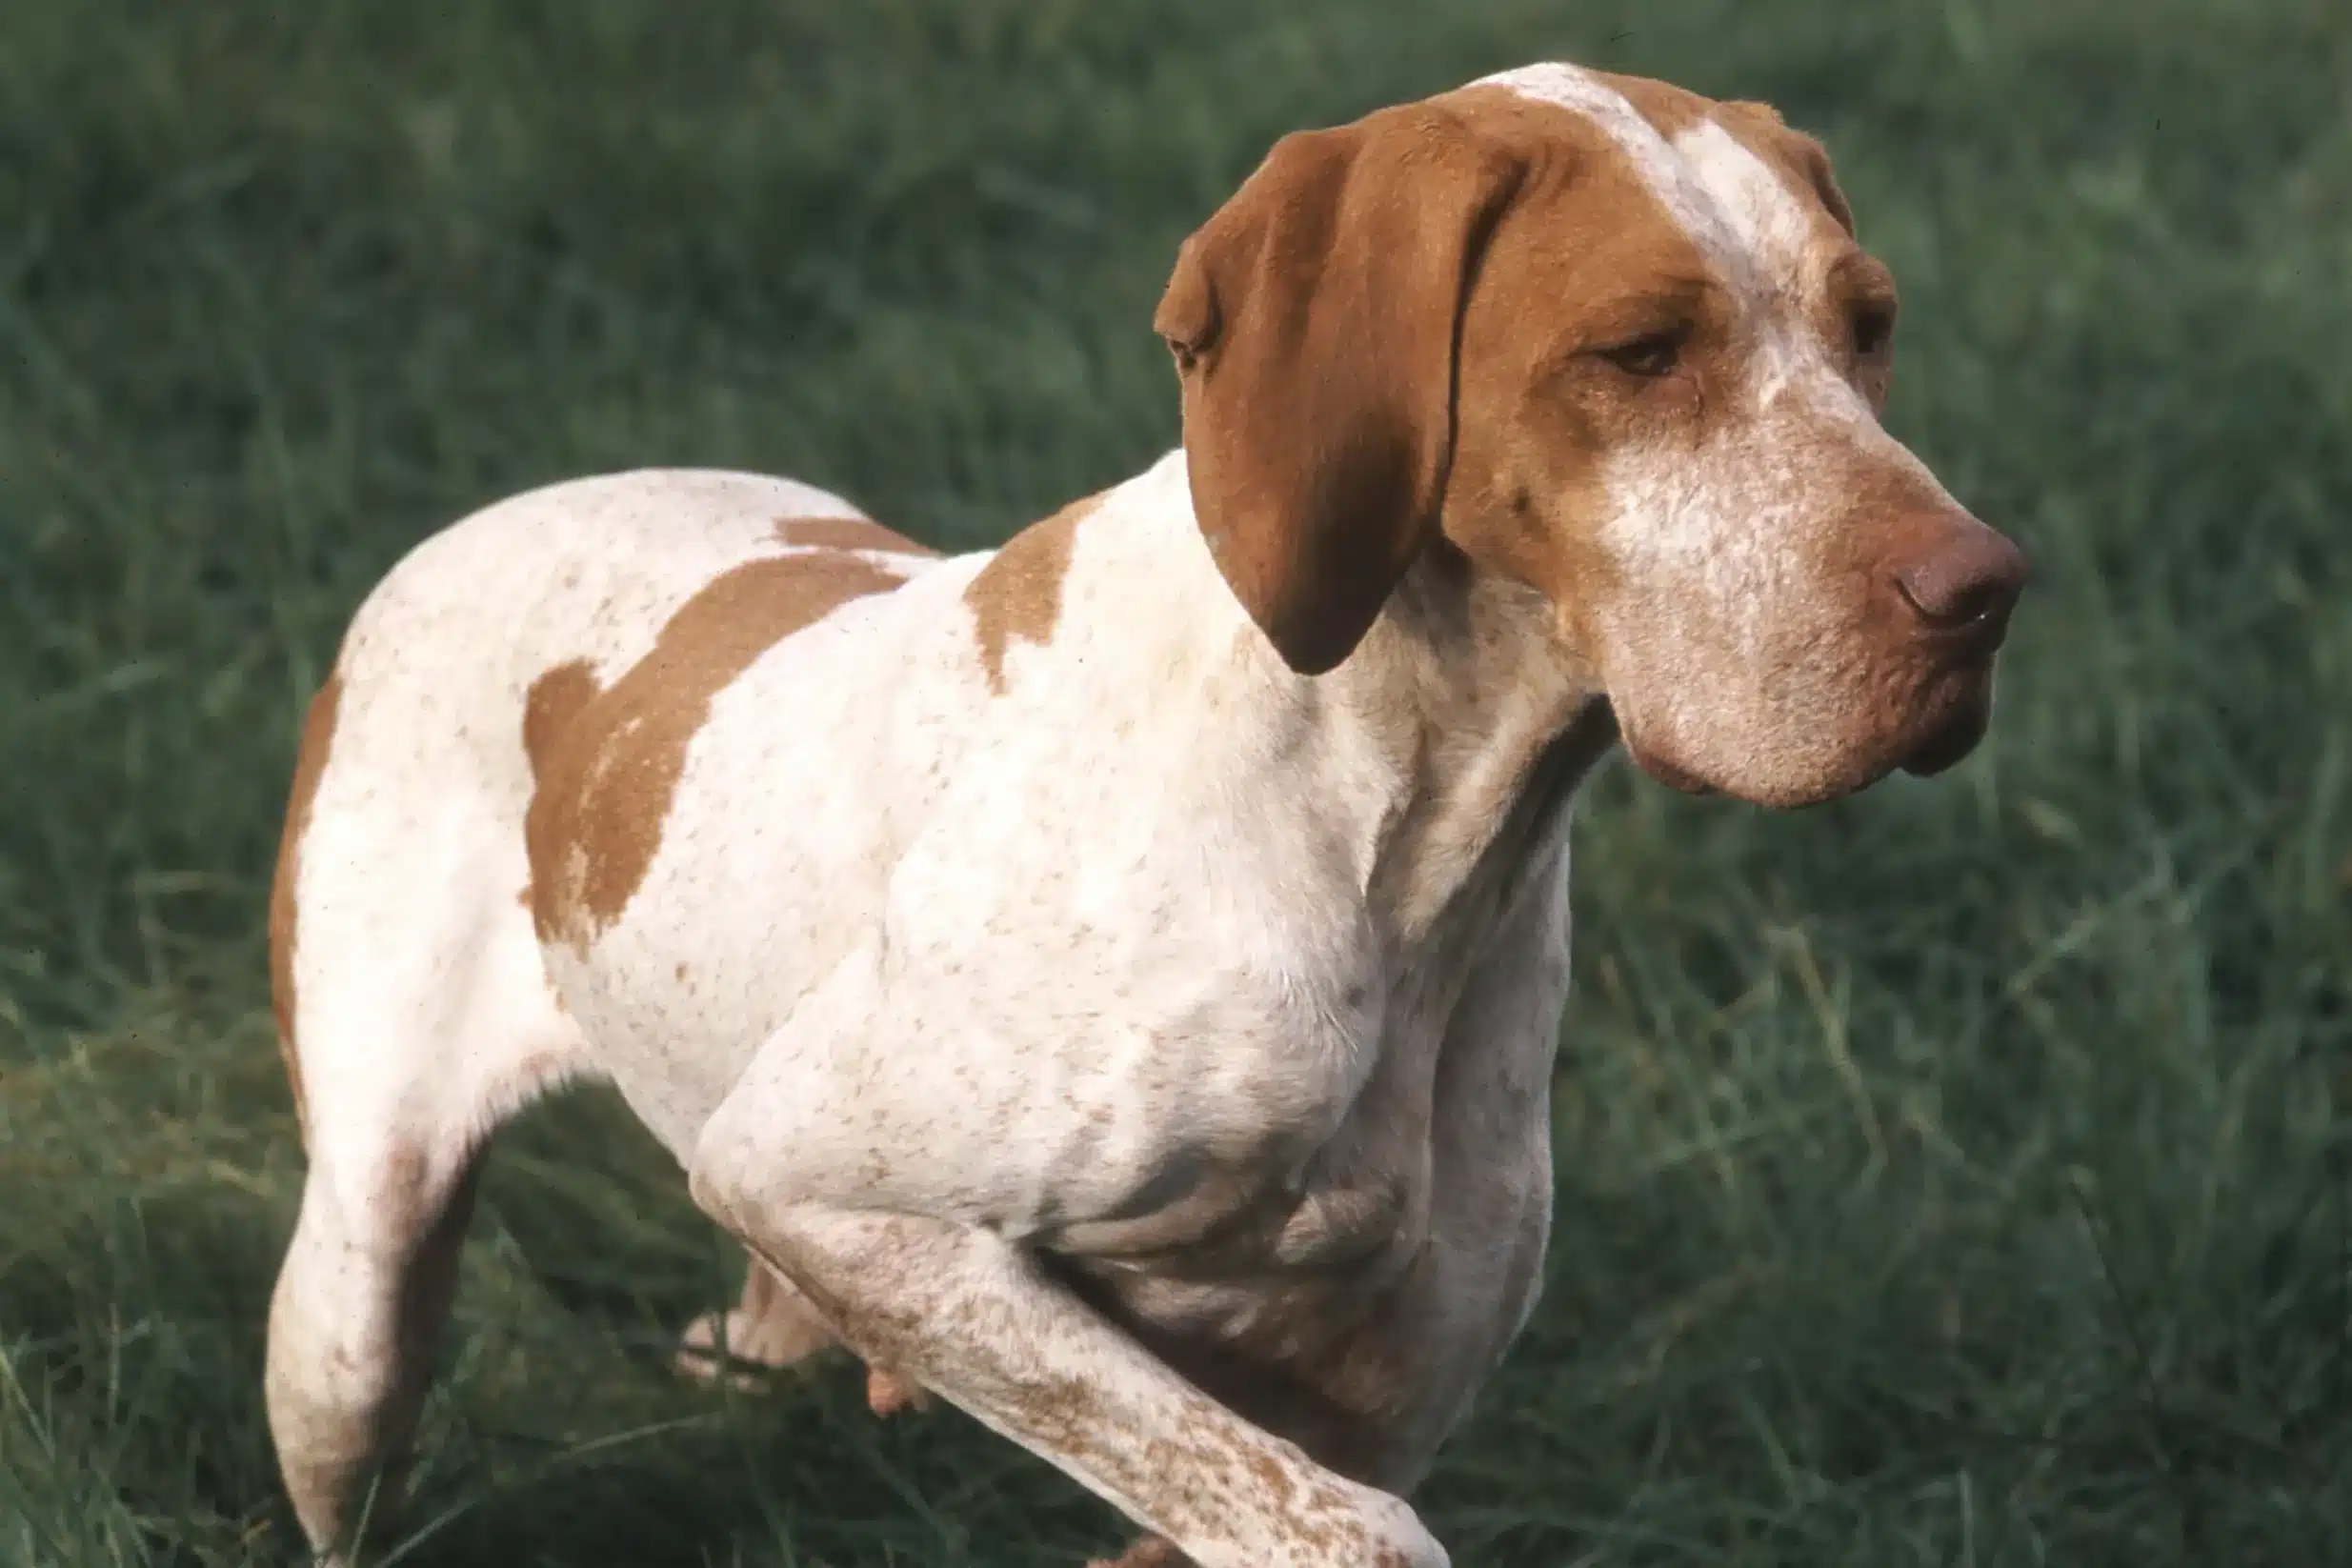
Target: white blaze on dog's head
<point>1618,342</point>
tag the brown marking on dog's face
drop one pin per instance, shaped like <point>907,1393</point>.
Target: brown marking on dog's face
<point>1618,343</point>
<point>605,763</point>
<point>1799,159</point>
<point>1669,109</point>
<point>846,533</point>
<point>1018,592</point>
<point>310,763</point>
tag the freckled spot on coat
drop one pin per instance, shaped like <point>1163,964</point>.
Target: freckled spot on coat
<point>1018,592</point>
<point>310,763</point>
<point>1270,1477</point>
<point>606,763</point>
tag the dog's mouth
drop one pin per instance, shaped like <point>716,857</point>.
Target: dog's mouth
<point>1949,745</point>
<point>1955,733</point>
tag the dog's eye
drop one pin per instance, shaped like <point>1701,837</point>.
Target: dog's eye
<point>1655,355</point>
<point>1873,328</point>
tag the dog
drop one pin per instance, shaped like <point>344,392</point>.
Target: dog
<point>1112,982</point>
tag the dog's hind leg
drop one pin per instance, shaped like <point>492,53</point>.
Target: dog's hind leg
<point>353,1326</point>
<point>415,1015</point>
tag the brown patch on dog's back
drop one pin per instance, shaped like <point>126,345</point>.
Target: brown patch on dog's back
<point>554,700</point>
<point>310,763</point>
<point>847,533</point>
<point>1018,592</point>
<point>605,764</point>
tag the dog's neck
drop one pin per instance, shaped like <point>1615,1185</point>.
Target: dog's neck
<point>1465,674</point>
<point>1459,702</point>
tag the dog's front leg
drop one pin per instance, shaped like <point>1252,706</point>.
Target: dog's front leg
<point>972,1317</point>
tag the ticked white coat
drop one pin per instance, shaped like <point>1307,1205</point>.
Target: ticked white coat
<point>1112,982</point>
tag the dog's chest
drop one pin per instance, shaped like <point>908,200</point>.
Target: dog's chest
<point>1355,1309</point>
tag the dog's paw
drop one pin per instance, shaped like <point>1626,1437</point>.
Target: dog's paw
<point>771,1328</point>
<point>726,1346</point>
<point>887,1394</point>
<point>699,1359</point>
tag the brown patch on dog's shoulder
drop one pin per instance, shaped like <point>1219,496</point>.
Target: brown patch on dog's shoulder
<point>310,763</point>
<point>1018,592</point>
<point>605,764</point>
<point>846,533</point>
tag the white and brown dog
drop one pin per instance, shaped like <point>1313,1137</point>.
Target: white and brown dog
<point>1113,981</point>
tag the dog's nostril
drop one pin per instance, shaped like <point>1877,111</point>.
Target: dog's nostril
<point>1948,606</point>
<point>1977,582</point>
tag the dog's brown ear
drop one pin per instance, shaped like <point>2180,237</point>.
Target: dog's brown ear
<point>1313,320</point>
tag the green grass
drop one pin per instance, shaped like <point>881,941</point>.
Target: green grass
<point>1954,1175</point>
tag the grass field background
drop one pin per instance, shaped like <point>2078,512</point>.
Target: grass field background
<point>1953,1176</point>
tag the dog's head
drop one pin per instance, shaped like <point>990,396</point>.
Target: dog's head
<point>1617,343</point>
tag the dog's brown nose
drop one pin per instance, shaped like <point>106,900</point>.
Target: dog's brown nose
<point>1968,584</point>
